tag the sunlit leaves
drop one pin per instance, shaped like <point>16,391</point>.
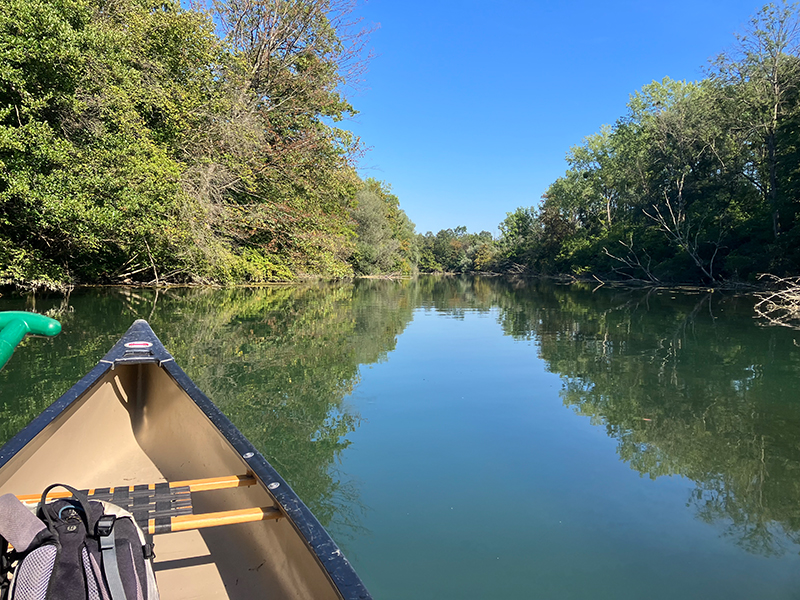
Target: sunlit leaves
<point>136,145</point>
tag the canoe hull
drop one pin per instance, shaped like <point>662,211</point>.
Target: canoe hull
<point>137,418</point>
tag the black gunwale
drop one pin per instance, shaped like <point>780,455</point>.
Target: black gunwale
<point>338,568</point>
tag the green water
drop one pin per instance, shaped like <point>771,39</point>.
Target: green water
<point>479,438</point>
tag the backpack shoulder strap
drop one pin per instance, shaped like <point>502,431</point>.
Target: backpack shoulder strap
<point>108,548</point>
<point>120,513</point>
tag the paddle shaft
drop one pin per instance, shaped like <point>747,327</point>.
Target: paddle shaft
<point>215,519</point>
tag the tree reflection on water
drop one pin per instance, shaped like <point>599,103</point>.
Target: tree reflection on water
<point>686,383</point>
<point>278,361</point>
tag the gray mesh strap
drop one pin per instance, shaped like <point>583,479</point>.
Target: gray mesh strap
<point>111,567</point>
<point>98,576</point>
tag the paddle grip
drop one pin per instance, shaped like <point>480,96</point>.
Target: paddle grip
<point>15,325</point>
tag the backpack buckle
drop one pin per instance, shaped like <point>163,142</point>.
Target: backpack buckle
<point>148,552</point>
<point>105,525</point>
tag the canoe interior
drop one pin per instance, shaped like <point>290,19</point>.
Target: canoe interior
<point>136,425</point>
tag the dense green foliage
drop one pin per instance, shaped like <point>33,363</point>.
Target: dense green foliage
<point>144,142</point>
<point>698,182</point>
<point>385,237</point>
<point>136,144</point>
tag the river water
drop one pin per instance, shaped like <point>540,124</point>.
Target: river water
<point>476,438</point>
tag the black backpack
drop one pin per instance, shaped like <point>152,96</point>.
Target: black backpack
<point>75,549</point>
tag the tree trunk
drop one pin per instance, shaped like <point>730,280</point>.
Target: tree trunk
<point>772,191</point>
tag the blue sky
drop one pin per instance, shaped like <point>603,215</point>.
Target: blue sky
<point>469,108</point>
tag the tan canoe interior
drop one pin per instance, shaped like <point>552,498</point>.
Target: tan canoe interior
<point>137,426</point>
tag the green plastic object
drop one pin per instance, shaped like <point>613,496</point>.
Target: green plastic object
<point>15,325</point>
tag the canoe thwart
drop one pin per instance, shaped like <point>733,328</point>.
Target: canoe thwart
<point>218,483</point>
<point>167,506</point>
<point>193,485</point>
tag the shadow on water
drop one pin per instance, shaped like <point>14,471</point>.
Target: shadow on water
<point>687,384</point>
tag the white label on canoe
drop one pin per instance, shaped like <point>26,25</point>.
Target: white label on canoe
<point>248,455</point>
<point>139,345</point>
<point>274,485</point>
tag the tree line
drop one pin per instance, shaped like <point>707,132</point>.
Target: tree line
<point>144,142</point>
<point>698,182</point>
<point>141,141</point>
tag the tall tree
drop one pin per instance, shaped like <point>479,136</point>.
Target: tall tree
<point>595,166</point>
<point>684,154</point>
<point>763,70</point>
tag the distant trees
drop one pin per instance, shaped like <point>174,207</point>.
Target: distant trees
<point>455,251</point>
<point>519,237</point>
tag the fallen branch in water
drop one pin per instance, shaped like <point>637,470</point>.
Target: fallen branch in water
<point>780,306</point>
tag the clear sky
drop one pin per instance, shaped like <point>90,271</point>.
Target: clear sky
<point>469,108</point>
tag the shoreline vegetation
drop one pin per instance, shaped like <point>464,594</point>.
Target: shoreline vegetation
<point>558,279</point>
<point>777,300</point>
<point>146,143</point>
<point>143,141</point>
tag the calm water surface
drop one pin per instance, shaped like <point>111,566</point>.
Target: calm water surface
<point>478,438</point>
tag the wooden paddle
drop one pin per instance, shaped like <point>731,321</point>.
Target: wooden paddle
<point>215,519</point>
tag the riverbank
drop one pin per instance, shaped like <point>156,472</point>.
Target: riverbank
<point>770,283</point>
